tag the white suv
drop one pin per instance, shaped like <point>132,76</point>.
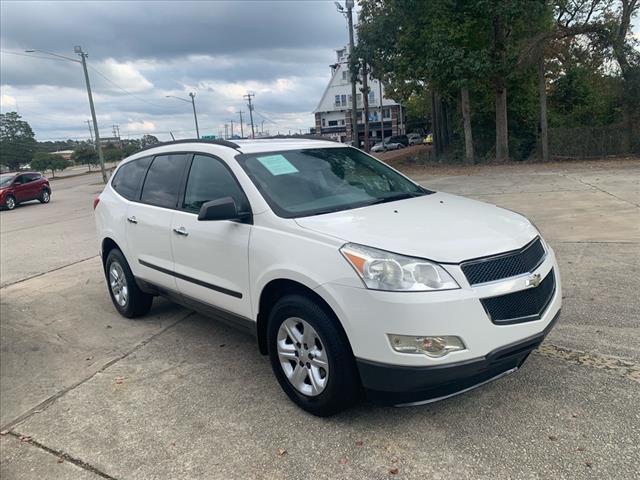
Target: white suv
<point>352,277</point>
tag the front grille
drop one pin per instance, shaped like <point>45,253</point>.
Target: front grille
<point>523,306</point>
<point>505,265</point>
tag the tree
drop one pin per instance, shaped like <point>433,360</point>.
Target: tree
<point>43,161</point>
<point>148,140</point>
<point>17,140</point>
<point>85,155</point>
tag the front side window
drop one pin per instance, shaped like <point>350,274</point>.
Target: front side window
<point>128,177</point>
<point>209,180</point>
<point>299,183</point>
<point>6,179</point>
<point>162,183</point>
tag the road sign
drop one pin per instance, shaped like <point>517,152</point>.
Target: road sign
<point>208,137</point>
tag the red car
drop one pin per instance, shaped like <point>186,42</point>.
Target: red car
<point>21,187</point>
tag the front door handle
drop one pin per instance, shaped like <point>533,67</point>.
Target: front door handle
<point>181,231</point>
<point>132,219</point>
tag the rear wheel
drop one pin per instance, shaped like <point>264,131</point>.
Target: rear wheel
<point>311,357</point>
<point>125,294</point>
<point>10,202</point>
<point>45,196</point>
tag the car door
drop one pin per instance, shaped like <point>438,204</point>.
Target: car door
<point>21,188</point>
<point>149,220</point>
<point>32,186</point>
<point>211,257</point>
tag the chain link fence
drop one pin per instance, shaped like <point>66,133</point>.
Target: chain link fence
<point>594,142</point>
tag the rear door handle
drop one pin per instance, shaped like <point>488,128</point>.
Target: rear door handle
<point>181,231</point>
<point>132,219</point>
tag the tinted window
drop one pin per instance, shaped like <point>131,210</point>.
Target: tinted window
<point>30,177</point>
<point>162,184</point>
<point>128,177</point>
<point>209,179</point>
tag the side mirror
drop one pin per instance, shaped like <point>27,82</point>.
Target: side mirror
<point>221,209</point>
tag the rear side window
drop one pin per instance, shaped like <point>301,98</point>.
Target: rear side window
<point>30,177</point>
<point>162,184</point>
<point>128,178</point>
<point>209,180</point>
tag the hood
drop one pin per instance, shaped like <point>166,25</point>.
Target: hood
<point>440,227</point>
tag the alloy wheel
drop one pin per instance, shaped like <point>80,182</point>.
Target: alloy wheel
<point>11,203</point>
<point>118,284</point>
<point>302,356</point>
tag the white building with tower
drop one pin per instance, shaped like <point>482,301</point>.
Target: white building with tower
<point>333,113</point>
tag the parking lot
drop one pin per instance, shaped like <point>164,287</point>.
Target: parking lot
<point>87,394</point>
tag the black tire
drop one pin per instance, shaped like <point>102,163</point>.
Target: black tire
<point>137,302</point>
<point>343,385</point>
<point>45,196</point>
<point>10,205</point>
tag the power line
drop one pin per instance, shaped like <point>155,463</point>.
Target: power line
<point>123,89</point>
<point>33,56</point>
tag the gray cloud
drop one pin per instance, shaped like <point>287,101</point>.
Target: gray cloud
<point>280,50</point>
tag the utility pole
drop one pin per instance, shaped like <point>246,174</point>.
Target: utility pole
<point>381,114</point>
<point>232,129</point>
<point>195,116</point>
<point>83,58</point>
<point>88,122</point>
<point>354,106</point>
<point>193,104</point>
<point>262,128</point>
<point>241,126</point>
<point>226,131</point>
<point>365,104</point>
<point>249,96</point>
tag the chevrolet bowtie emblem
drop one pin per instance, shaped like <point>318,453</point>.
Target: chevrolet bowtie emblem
<point>534,280</point>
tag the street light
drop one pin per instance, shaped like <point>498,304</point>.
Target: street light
<point>193,104</point>
<point>349,4</point>
<point>83,60</point>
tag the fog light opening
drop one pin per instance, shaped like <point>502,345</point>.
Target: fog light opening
<point>435,347</point>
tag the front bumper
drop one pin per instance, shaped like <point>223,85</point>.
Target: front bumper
<point>402,385</point>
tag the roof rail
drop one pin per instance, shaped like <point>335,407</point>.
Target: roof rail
<point>224,143</point>
<point>300,137</point>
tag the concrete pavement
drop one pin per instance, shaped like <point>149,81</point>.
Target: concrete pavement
<point>175,395</point>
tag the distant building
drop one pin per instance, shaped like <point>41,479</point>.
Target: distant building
<point>66,154</point>
<point>333,113</point>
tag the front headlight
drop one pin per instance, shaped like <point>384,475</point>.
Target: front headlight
<point>380,270</point>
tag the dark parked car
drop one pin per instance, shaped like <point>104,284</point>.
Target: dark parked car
<point>22,187</point>
<point>401,139</point>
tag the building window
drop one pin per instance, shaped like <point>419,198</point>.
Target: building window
<point>333,123</point>
<point>344,75</point>
<point>343,99</point>
<point>372,97</point>
<point>386,113</point>
<point>342,122</point>
<point>359,99</point>
<point>324,122</point>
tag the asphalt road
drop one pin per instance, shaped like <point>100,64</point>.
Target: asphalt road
<point>87,394</point>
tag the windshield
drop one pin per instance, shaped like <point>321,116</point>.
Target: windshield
<point>299,183</point>
<point>6,179</point>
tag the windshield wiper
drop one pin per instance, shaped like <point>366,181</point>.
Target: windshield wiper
<point>393,198</point>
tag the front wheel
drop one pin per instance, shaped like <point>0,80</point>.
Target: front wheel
<point>125,294</point>
<point>45,196</point>
<point>10,202</point>
<point>311,356</point>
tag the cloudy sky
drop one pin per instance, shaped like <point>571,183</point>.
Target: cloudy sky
<point>142,51</point>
